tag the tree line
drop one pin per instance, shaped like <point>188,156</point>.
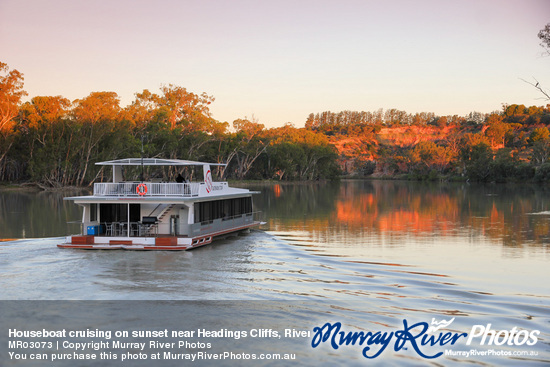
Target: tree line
<point>55,142</point>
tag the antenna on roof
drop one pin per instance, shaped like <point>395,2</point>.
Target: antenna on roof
<point>141,158</point>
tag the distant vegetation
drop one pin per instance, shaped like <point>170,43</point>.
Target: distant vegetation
<point>511,145</point>
<point>55,142</point>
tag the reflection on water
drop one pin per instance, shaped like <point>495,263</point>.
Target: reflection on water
<point>511,215</point>
<point>370,253</point>
<point>459,228</point>
<point>32,214</point>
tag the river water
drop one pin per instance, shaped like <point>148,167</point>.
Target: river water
<point>367,253</point>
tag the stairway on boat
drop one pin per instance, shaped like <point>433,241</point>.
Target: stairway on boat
<point>160,212</point>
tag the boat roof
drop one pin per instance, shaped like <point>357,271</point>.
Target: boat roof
<point>154,162</point>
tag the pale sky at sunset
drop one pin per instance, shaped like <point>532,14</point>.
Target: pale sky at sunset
<point>281,60</point>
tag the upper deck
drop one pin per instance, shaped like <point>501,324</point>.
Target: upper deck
<point>119,189</point>
<point>158,189</point>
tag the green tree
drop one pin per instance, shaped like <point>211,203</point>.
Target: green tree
<point>185,108</point>
<point>496,131</point>
<point>95,116</point>
<point>283,160</point>
<point>11,92</point>
<point>479,158</point>
<point>503,167</point>
<point>251,144</point>
<point>539,133</point>
<point>514,109</point>
<point>142,110</point>
<point>427,156</point>
<point>541,151</point>
<point>46,121</point>
<point>475,155</point>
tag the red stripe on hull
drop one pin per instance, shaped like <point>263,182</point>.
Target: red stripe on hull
<point>162,245</point>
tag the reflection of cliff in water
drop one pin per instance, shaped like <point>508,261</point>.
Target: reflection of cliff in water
<point>512,214</point>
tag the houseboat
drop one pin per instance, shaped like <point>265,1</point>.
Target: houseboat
<point>156,215</point>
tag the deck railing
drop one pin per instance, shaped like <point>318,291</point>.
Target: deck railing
<point>134,189</point>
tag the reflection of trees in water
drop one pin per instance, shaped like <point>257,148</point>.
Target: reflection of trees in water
<point>507,213</point>
<point>499,212</point>
<point>33,214</point>
<point>297,202</point>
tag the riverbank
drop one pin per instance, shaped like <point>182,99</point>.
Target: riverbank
<point>34,187</point>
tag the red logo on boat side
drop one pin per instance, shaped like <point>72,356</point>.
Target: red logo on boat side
<point>208,181</point>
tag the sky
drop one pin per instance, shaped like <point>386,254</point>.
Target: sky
<point>279,61</point>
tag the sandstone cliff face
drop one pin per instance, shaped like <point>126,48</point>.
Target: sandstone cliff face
<point>357,153</point>
<point>409,136</point>
<point>404,149</point>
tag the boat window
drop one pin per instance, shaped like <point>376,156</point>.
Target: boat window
<point>216,209</point>
<point>119,212</point>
